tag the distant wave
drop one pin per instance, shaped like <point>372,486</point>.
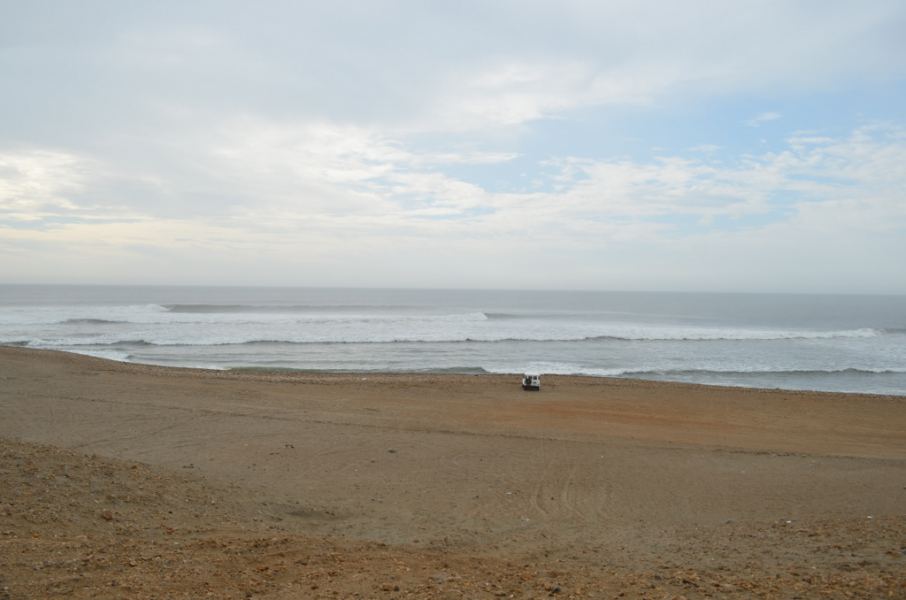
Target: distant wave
<point>277,308</point>
<point>504,316</point>
<point>85,344</point>
<point>705,335</point>
<point>691,336</point>
<point>327,314</point>
<point>90,322</point>
<point>229,308</point>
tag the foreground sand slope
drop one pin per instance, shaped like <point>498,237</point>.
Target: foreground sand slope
<point>611,485</point>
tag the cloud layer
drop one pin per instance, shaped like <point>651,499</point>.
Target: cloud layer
<point>627,146</point>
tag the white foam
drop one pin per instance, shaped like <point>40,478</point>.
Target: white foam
<point>116,355</point>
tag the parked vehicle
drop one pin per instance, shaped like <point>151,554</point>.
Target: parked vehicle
<point>531,382</point>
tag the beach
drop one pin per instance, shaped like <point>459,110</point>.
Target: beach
<point>127,480</point>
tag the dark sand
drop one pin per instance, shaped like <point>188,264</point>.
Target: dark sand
<point>128,481</point>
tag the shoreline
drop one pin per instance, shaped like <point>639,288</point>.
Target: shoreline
<point>426,486</point>
<point>453,372</point>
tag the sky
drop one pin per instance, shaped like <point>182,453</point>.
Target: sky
<point>752,146</point>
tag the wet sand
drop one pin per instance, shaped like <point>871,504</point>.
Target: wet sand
<point>361,485</point>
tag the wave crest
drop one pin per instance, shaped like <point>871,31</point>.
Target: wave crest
<point>90,322</point>
<point>392,336</point>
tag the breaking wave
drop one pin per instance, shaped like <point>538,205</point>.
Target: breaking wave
<point>703,334</point>
<point>216,336</point>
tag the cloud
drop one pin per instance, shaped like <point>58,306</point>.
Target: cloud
<point>765,117</point>
<point>317,180</point>
<point>359,137</point>
<point>641,54</point>
<point>429,68</point>
<point>514,92</point>
<point>681,222</point>
<point>40,184</point>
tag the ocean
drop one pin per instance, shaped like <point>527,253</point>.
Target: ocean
<point>847,343</point>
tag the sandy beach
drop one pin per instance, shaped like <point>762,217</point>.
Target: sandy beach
<point>131,481</point>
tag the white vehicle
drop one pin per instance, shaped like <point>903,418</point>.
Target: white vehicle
<point>531,382</point>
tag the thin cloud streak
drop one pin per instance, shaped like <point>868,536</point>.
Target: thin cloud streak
<point>765,117</point>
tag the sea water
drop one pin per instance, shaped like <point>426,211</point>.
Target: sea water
<point>819,342</point>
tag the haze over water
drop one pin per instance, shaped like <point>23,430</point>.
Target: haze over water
<point>818,342</point>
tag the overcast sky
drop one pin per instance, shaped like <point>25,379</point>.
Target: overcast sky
<point>726,146</point>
